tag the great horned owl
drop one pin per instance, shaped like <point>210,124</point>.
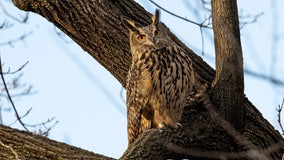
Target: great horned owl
<point>159,80</point>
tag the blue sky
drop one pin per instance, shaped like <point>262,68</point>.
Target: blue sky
<point>86,99</point>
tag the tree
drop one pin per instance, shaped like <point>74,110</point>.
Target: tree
<point>253,137</point>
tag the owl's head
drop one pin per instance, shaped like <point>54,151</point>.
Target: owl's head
<point>151,36</point>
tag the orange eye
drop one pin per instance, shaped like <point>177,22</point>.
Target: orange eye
<point>157,32</point>
<point>141,37</point>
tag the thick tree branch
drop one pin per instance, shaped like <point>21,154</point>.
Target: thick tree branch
<point>25,145</point>
<point>229,80</point>
<point>99,24</point>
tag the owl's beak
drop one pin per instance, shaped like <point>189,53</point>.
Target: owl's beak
<point>151,41</point>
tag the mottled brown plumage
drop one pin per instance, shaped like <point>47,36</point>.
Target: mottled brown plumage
<point>159,80</point>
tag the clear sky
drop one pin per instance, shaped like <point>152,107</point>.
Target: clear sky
<point>89,102</point>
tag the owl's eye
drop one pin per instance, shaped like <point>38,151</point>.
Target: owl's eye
<point>157,32</point>
<point>141,37</point>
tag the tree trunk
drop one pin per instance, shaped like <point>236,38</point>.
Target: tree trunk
<point>97,28</point>
<point>229,80</point>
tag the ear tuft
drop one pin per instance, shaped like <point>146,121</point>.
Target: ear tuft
<point>129,24</point>
<point>156,17</point>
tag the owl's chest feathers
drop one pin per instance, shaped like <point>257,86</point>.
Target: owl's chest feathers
<point>139,75</point>
<point>163,71</point>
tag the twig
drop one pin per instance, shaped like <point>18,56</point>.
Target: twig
<point>279,110</point>
<point>185,19</point>
<point>204,3</point>
<point>263,76</point>
<point>201,25</point>
<point>19,69</point>
<point>23,20</point>
<point>42,123</point>
<point>21,117</point>
<point>62,35</point>
<point>25,93</point>
<point>10,98</point>
<point>275,41</point>
<point>5,25</point>
<point>204,97</point>
<point>46,129</point>
<point>201,32</point>
<point>253,19</point>
<point>22,37</point>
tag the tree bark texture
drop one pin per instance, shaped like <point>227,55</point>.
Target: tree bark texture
<point>16,144</point>
<point>229,79</point>
<point>96,26</point>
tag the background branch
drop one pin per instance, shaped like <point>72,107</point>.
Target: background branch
<point>10,98</point>
<point>279,110</point>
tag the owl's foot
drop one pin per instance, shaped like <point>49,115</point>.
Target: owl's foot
<point>175,125</point>
<point>179,125</point>
<point>161,125</point>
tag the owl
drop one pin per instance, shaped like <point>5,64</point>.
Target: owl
<point>159,80</point>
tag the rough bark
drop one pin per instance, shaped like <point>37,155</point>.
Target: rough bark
<point>16,144</point>
<point>97,28</point>
<point>229,79</point>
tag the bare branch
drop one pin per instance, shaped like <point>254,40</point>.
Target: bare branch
<point>62,35</point>
<point>17,70</point>
<point>273,80</point>
<point>10,98</point>
<point>207,103</point>
<point>185,19</point>
<point>201,25</point>
<point>249,19</point>
<point>22,20</point>
<point>275,37</point>
<point>5,25</point>
<point>40,131</point>
<point>21,117</point>
<point>204,4</point>
<point>21,38</point>
<point>15,84</point>
<point>202,40</point>
<point>251,150</point>
<point>279,110</point>
<point>46,129</point>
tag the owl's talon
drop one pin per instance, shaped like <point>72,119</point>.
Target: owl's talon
<point>161,125</point>
<point>180,125</point>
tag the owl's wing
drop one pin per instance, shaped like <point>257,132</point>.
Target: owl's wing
<point>176,82</point>
<point>137,101</point>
